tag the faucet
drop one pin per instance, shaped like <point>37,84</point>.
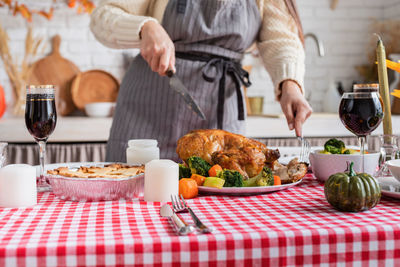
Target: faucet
<point>320,45</point>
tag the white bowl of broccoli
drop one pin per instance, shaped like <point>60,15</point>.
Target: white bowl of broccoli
<point>335,156</point>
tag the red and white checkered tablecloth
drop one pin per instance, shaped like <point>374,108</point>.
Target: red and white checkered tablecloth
<point>287,228</point>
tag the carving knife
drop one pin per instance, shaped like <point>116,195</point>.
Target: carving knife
<point>178,86</point>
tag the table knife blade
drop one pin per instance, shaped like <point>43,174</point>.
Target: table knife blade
<point>180,226</point>
<point>180,88</point>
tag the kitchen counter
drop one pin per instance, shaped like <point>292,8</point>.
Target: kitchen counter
<point>85,129</point>
<point>68,129</point>
<point>318,125</point>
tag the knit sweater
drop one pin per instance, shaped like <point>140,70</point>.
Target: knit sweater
<point>117,24</point>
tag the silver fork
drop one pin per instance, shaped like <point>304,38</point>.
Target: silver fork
<point>179,205</point>
<point>305,149</point>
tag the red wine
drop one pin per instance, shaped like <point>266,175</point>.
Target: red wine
<point>40,115</point>
<point>361,115</point>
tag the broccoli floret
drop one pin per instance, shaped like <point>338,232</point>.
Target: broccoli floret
<point>232,178</point>
<point>264,178</point>
<point>198,165</point>
<point>184,172</point>
<point>347,151</point>
<point>334,146</point>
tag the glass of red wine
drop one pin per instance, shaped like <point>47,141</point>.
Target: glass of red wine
<point>40,119</point>
<point>361,113</point>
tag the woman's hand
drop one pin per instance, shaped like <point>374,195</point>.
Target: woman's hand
<point>157,48</point>
<point>294,106</point>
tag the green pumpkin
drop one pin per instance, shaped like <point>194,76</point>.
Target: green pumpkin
<point>351,191</point>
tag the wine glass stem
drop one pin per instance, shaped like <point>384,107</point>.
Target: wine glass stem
<point>42,154</point>
<point>361,140</point>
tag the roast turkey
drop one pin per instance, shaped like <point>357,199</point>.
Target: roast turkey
<point>231,151</point>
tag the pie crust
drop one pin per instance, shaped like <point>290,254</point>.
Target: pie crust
<point>108,171</point>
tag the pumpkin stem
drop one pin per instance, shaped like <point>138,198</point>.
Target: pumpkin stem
<point>350,168</point>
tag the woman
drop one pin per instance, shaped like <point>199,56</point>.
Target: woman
<point>203,41</point>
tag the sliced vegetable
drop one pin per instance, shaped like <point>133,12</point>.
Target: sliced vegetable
<point>198,165</point>
<point>277,180</point>
<point>232,178</point>
<point>213,172</point>
<point>334,146</point>
<point>214,182</point>
<point>184,171</point>
<point>357,151</point>
<point>264,178</point>
<point>198,178</point>
<point>188,188</point>
<point>324,152</point>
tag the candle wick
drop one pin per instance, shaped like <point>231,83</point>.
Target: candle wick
<point>379,37</point>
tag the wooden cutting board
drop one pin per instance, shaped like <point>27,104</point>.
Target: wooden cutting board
<point>94,86</point>
<point>56,70</point>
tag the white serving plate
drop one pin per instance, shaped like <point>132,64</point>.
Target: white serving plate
<point>290,152</point>
<point>390,187</point>
<point>394,168</point>
<point>94,189</point>
<point>245,190</point>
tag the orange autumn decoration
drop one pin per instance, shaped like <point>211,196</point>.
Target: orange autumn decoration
<point>393,65</point>
<point>396,93</point>
<point>85,6</point>
<point>82,6</point>
<point>2,102</point>
<point>396,67</point>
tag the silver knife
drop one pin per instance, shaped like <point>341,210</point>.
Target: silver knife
<point>180,226</point>
<point>178,86</point>
<point>199,225</point>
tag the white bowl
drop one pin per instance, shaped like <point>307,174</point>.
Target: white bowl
<point>100,109</point>
<point>394,167</point>
<point>324,165</point>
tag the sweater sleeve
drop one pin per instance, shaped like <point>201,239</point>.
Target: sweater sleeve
<point>117,23</point>
<point>280,47</point>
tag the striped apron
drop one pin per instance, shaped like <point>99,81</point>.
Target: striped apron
<point>210,37</point>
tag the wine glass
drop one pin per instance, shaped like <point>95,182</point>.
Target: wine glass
<point>361,113</point>
<point>40,119</point>
<point>3,146</point>
<point>389,151</point>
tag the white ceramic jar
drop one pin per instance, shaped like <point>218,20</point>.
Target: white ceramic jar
<point>141,151</point>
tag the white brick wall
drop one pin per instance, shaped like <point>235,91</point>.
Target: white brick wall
<point>77,43</point>
<point>345,35</point>
<point>392,9</point>
<point>344,32</point>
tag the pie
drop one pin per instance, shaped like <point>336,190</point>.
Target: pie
<point>108,171</point>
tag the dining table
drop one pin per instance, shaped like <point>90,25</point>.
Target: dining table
<point>292,227</point>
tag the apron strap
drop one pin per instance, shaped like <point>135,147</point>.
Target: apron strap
<point>217,68</point>
<point>181,6</point>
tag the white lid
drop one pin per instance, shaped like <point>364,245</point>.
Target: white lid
<point>142,143</point>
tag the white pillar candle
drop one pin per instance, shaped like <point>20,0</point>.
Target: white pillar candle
<point>18,186</point>
<point>161,180</point>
